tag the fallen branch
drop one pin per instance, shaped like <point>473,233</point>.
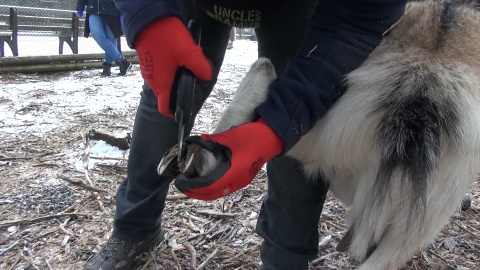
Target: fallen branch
<point>15,264</point>
<point>29,261</point>
<point>9,248</point>
<point>25,158</point>
<point>197,218</point>
<point>325,257</point>
<point>15,158</point>
<point>109,166</point>
<point>39,219</point>
<point>243,252</point>
<point>462,227</point>
<point>72,207</point>
<point>48,264</point>
<point>176,259</point>
<point>87,177</point>
<point>110,158</point>
<point>215,234</point>
<point>62,226</point>
<point>83,185</point>
<point>193,254</point>
<point>192,226</point>
<point>441,258</point>
<point>214,213</point>
<point>121,143</point>
<point>46,165</point>
<point>324,243</point>
<point>340,227</point>
<point>231,234</point>
<point>173,197</point>
<point>147,264</point>
<point>45,234</point>
<point>207,261</point>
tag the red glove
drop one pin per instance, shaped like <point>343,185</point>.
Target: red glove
<point>247,147</point>
<point>162,47</point>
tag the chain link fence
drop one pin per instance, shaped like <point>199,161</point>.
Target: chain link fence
<point>38,43</point>
<point>51,4</point>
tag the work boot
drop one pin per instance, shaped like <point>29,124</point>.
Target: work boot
<point>119,254</point>
<point>106,70</point>
<point>124,67</point>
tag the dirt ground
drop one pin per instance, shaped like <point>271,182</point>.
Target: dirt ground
<point>51,218</point>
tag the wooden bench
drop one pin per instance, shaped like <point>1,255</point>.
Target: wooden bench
<point>16,20</point>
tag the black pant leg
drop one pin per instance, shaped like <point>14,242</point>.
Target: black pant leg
<point>280,40</point>
<point>141,196</point>
<point>289,216</point>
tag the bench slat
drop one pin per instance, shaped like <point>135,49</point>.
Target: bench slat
<point>44,28</point>
<point>49,20</point>
<point>37,11</point>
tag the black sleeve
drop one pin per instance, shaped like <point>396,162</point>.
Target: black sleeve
<point>139,13</point>
<point>344,33</point>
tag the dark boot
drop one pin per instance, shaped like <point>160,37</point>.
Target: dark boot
<point>106,70</point>
<point>120,254</point>
<point>124,67</point>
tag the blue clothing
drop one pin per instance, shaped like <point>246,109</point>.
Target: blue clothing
<point>343,34</point>
<point>104,38</point>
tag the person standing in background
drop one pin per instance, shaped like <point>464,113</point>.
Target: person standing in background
<point>103,21</point>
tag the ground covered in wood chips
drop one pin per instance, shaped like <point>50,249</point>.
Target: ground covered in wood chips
<point>52,218</point>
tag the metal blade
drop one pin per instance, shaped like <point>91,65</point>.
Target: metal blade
<point>181,130</point>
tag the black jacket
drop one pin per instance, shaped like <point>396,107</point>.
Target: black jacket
<point>104,8</point>
<point>101,7</point>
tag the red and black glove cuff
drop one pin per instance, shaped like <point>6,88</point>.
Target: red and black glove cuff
<point>246,148</point>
